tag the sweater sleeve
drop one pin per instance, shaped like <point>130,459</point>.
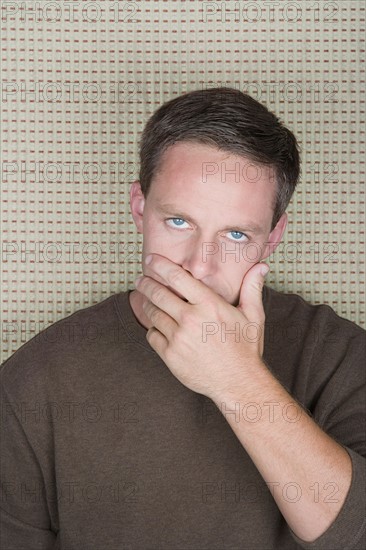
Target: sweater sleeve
<point>25,521</point>
<point>340,412</point>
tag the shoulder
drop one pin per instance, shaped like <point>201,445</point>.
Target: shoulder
<point>318,355</point>
<point>301,337</point>
<point>292,310</point>
<point>66,341</point>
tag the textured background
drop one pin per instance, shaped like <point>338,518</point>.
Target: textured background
<point>79,80</point>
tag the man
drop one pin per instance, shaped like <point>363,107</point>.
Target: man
<point>193,417</point>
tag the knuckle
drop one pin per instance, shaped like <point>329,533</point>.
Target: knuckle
<point>187,318</point>
<point>178,339</point>
<point>214,310</point>
<point>184,317</point>
<point>155,315</point>
<point>169,354</point>
<point>176,276</point>
<point>157,295</point>
<point>150,336</point>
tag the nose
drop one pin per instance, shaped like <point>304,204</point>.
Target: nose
<point>200,258</point>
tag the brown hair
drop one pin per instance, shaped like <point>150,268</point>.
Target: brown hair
<point>229,120</point>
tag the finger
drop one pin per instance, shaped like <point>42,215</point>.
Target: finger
<point>160,320</point>
<point>180,280</point>
<point>157,341</point>
<point>161,297</point>
<point>250,302</point>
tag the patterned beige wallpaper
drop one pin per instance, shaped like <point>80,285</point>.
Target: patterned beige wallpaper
<point>79,80</point>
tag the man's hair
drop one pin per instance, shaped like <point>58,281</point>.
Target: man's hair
<point>229,120</point>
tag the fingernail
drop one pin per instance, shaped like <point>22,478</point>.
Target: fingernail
<point>264,270</point>
<point>148,259</point>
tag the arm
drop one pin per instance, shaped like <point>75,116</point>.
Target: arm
<point>298,460</point>
<point>233,374</point>
<point>25,521</point>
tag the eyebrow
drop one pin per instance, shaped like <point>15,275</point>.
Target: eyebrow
<point>173,211</point>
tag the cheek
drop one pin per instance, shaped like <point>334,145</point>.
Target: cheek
<point>156,241</point>
<point>159,239</point>
<point>229,277</point>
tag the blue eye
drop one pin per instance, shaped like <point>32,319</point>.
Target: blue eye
<point>177,222</point>
<point>237,235</point>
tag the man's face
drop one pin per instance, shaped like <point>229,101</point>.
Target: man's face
<point>209,212</point>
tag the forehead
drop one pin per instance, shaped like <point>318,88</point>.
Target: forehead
<point>212,188</point>
<point>189,156</point>
<point>188,168</point>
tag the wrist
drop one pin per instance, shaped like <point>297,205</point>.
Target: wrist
<point>245,386</point>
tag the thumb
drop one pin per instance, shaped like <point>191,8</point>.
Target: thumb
<point>250,301</point>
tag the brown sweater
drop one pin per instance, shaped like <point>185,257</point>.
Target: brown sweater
<point>103,448</point>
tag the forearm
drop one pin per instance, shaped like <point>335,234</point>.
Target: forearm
<point>308,473</point>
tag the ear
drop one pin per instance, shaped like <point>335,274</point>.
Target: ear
<point>275,236</point>
<point>137,203</point>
